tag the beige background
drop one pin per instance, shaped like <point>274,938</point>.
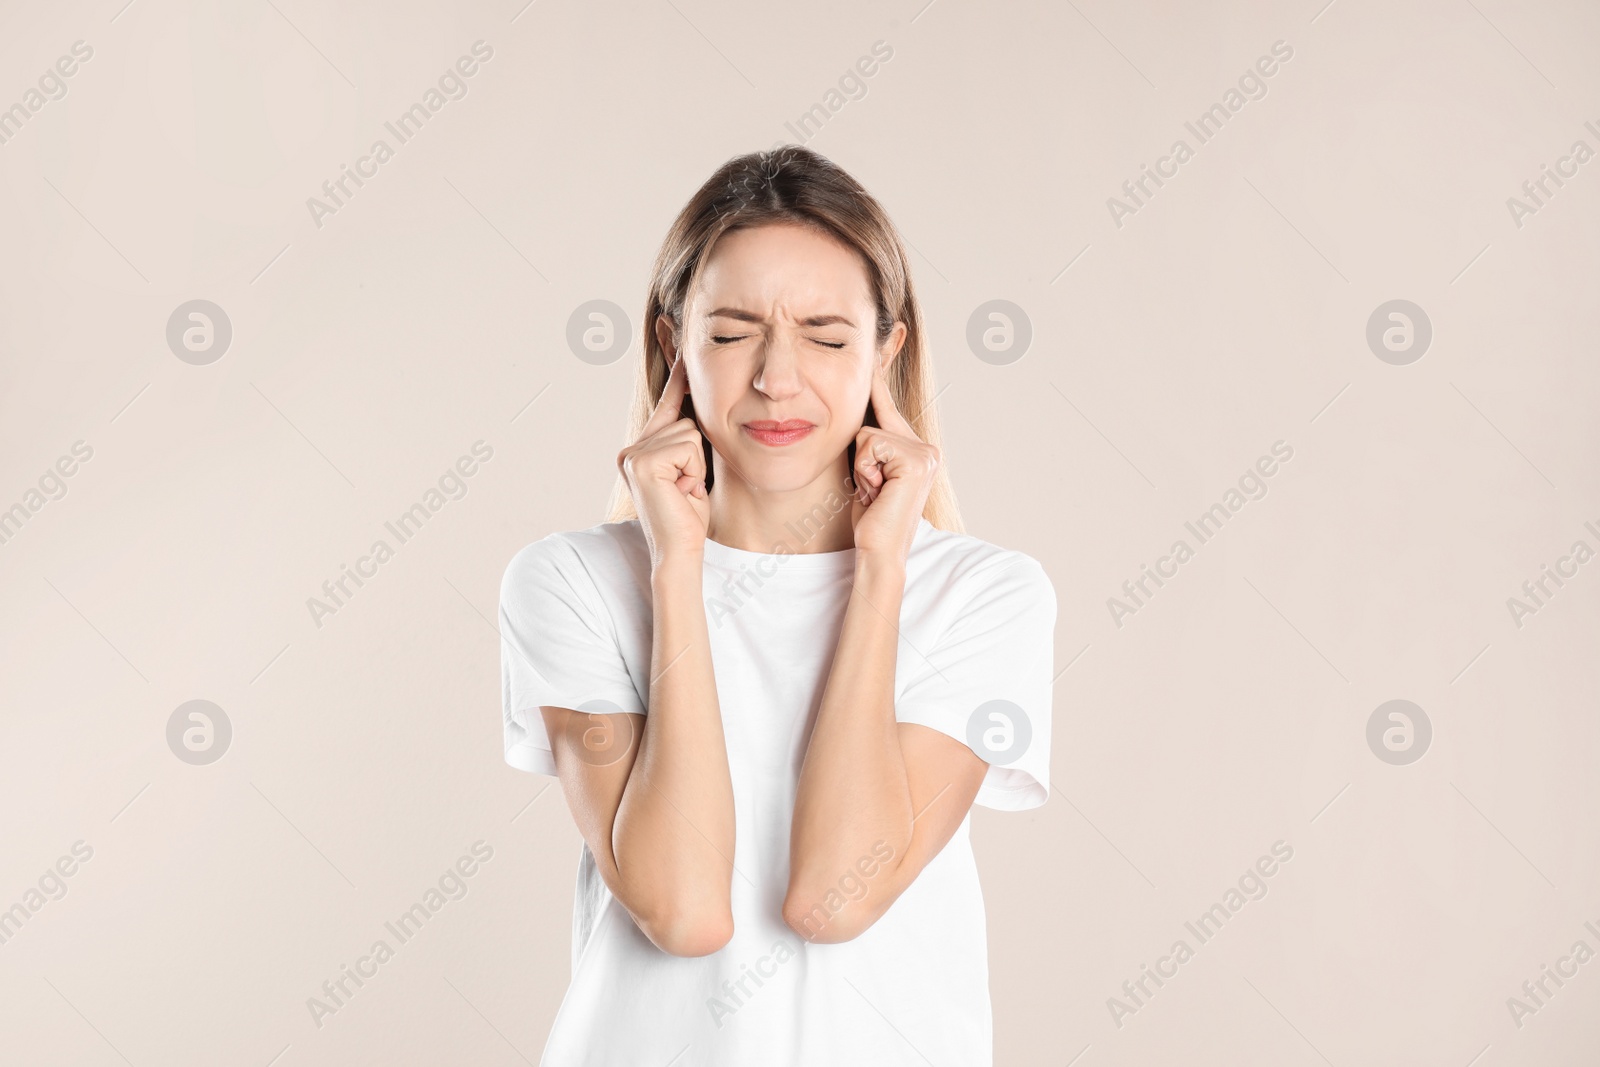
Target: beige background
<point>429,312</point>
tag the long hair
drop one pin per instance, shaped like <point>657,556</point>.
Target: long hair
<point>790,184</point>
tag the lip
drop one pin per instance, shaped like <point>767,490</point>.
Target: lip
<point>778,433</point>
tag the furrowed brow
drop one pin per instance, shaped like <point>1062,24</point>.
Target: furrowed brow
<point>750,316</point>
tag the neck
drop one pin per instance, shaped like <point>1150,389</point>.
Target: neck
<point>812,518</point>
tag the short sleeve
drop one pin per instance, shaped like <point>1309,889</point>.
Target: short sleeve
<point>987,680</point>
<point>558,647</point>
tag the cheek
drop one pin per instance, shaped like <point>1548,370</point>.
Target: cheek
<point>713,396</point>
<point>844,385</point>
<point>856,402</point>
<point>704,386</point>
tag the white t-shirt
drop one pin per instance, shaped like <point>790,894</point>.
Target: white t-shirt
<point>974,662</point>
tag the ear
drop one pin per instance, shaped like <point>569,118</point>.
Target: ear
<point>892,344</point>
<point>664,332</point>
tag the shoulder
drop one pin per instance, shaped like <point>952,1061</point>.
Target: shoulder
<point>975,571</point>
<point>581,561</point>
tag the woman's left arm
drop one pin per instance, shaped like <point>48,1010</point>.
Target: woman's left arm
<point>877,799</point>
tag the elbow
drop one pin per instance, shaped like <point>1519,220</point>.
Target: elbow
<point>682,916</point>
<point>818,924</point>
<point>688,932</point>
<point>830,912</point>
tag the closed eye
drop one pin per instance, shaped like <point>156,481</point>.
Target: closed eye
<point>728,339</point>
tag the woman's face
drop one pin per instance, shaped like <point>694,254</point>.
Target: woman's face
<point>781,349</point>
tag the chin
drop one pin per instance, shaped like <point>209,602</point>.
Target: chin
<point>778,474</point>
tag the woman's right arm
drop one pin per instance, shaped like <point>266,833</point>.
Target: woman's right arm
<point>652,795</point>
<point>659,817</point>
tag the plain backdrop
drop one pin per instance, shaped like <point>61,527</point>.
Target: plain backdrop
<point>1173,341</point>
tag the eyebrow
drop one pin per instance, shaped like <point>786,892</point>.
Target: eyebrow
<point>749,316</point>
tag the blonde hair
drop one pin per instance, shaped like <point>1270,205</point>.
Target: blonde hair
<point>796,185</point>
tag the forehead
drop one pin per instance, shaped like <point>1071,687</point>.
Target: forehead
<point>788,264</point>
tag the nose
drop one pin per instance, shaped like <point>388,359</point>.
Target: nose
<point>778,372</point>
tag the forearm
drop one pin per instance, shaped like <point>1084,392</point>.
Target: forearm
<point>853,801</point>
<point>673,837</point>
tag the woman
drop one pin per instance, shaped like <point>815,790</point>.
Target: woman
<point>776,680</point>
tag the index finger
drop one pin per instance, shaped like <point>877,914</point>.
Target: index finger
<point>667,408</point>
<point>889,417</point>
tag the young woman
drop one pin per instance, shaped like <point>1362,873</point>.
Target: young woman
<point>776,680</point>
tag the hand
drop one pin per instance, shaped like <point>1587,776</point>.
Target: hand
<point>666,473</point>
<point>893,473</point>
